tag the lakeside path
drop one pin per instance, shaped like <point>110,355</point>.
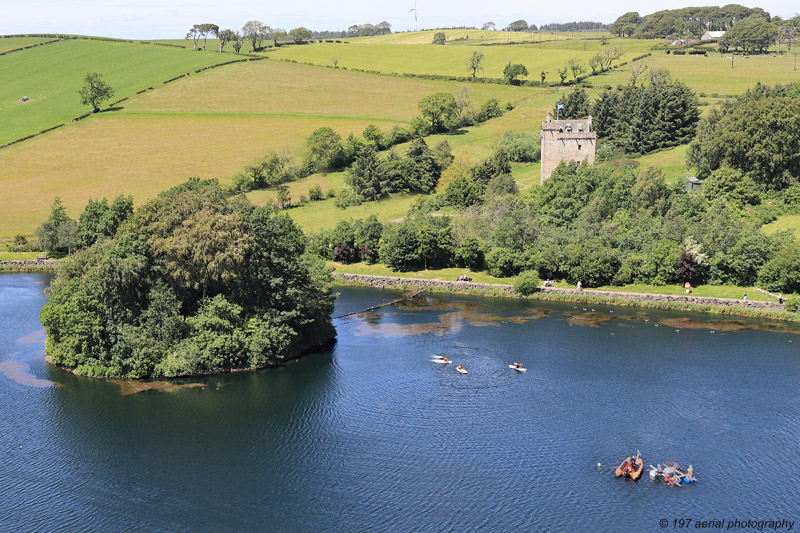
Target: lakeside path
<point>390,282</point>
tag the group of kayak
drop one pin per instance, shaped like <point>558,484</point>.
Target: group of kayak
<point>633,466</point>
<point>441,359</point>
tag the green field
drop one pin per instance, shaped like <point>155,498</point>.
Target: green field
<point>53,74</point>
<point>434,59</point>
<point>713,75</point>
<point>672,161</point>
<point>784,223</point>
<point>12,43</point>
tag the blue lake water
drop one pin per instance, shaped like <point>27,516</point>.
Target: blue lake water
<point>374,436</point>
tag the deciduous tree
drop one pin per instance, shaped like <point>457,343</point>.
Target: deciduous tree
<point>95,91</point>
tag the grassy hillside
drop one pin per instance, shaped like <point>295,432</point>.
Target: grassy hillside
<point>208,125</point>
<point>434,59</point>
<point>784,223</point>
<point>53,74</point>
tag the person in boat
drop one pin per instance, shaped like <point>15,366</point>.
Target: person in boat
<point>518,365</point>
<point>445,359</point>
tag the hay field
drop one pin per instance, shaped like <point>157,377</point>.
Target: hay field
<point>713,74</point>
<point>435,59</point>
<point>208,125</point>
<point>51,75</point>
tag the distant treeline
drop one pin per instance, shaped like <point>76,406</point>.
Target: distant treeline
<point>692,21</point>
<point>586,25</point>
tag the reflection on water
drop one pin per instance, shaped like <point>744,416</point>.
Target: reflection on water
<point>727,325</point>
<point>21,372</point>
<point>592,319</point>
<point>451,316</point>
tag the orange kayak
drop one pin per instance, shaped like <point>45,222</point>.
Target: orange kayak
<point>631,467</point>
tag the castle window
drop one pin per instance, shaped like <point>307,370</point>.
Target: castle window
<point>580,127</point>
<point>579,147</point>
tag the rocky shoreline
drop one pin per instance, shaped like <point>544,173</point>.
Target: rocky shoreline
<point>389,282</point>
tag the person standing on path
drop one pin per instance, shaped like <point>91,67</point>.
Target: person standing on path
<point>579,286</point>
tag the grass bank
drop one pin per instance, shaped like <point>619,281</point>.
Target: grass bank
<point>497,288</point>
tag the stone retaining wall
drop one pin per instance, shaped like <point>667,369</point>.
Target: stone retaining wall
<point>389,282</point>
<point>46,262</point>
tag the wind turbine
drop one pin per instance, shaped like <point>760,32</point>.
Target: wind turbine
<point>415,9</point>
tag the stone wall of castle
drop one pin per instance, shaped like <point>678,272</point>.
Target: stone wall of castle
<point>566,140</point>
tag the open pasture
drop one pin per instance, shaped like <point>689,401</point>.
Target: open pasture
<point>51,76</point>
<point>435,59</point>
<point>713,74</point>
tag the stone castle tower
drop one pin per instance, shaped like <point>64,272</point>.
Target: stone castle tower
<point>566,140</point>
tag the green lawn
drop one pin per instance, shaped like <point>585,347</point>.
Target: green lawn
<point>672,161</point>
<point>784,223</point>
<point>710,291</point>
<point>18,256</point>
<point>316,216</point>
<point>54,73</point>
<point>444,274</point>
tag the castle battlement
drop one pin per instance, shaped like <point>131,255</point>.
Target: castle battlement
<point>566,140</point>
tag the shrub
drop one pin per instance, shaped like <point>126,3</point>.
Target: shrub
<point>348,198</point>
<point>526,283</point>
<point>490,109</point>
<point>521,146</point>
<point>315,193</point>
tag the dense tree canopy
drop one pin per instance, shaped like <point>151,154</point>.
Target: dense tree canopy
<point>758,134</point>
<point>191,283</point>
<point>692,21</point>
<point>642,119</point>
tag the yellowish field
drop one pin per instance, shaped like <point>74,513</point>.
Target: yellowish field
<point>471,37</point>
<point>713,74</point>
<point>279,89</point>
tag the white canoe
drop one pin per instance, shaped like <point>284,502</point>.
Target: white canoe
<point>462,370</point>
<point>442,361</point>
<point>518,368</point>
